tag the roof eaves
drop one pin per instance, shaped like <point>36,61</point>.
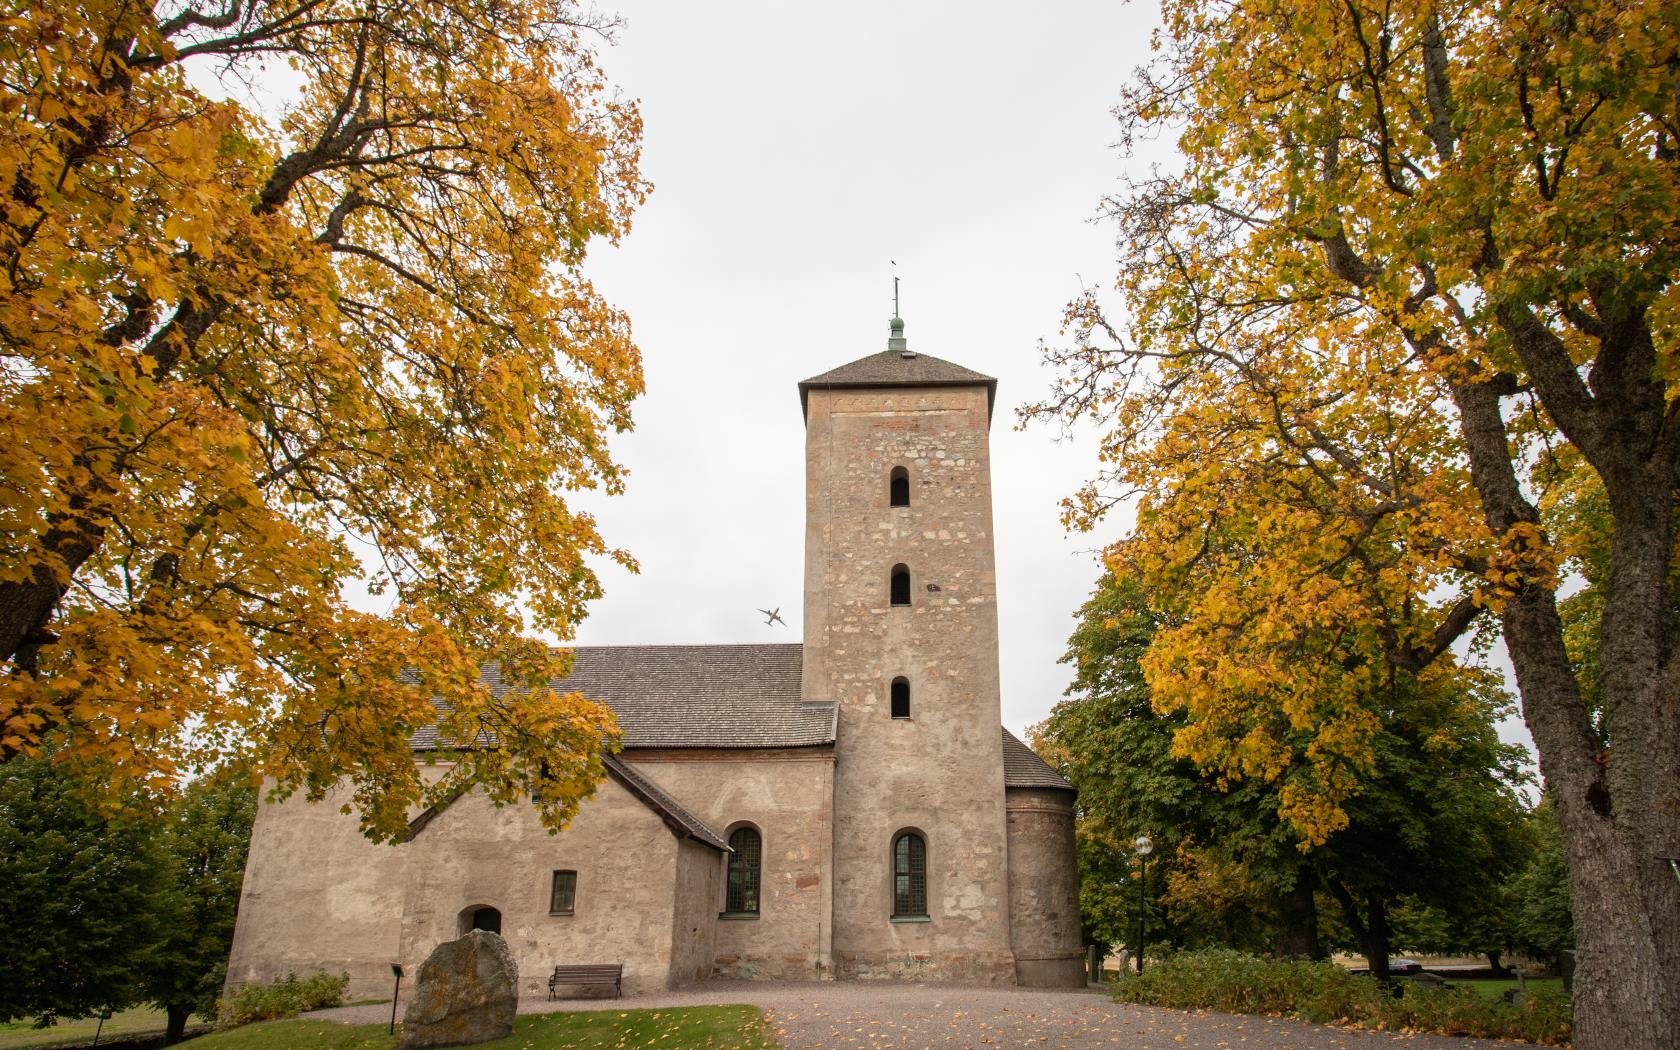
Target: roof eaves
<point>682,823</point>
<point>809,385</point>
<point>429,814</point>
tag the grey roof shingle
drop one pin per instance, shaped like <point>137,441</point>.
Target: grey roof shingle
<point>688,696</point>
<point>898,368</point>
<point>719,696</point>
<point>1022,768</point>
<point>725,696</point>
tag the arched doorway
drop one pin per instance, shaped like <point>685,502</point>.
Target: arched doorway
<point>480,917</point>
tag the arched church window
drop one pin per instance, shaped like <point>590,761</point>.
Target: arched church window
<point>899,488</point>
<point>909,876</point>
<point>901,585</point>
<point>746,849</point>
<point>901,698</point>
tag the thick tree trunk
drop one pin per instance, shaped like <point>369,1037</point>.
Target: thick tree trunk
<point>1377,937</point>
<point>177,1024</point>
<point>1626,985</point>
<point>1369,922</point>
<point>1297,933</point>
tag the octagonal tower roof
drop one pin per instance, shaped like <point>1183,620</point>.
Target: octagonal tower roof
<point>898,367</point>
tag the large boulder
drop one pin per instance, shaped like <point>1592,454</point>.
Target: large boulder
<point>467,992</point>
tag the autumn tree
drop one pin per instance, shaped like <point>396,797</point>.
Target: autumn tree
<point>1411,253</point>
<point>1227,865</point>
<point>256,359</point>
<point>1427,818</point>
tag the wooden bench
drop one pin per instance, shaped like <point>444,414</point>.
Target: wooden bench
<point>588,974</point>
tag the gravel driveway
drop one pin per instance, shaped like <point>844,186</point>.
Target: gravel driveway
<point>865,1015</point>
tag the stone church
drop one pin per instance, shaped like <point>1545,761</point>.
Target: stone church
<point>845,808</point>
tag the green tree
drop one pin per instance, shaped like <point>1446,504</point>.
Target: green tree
<point>1441,826</point>
<point>81,895</point>
<point>1543,922</point>
<point>203,839</point>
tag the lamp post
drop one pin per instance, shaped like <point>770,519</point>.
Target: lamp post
<point>1144,849</point>
<point>396,971</point>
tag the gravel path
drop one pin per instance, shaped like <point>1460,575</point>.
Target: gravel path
<point>863,1015</point>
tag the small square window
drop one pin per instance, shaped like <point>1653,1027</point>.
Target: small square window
<point>563,895</point>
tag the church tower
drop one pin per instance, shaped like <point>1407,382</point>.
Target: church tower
<point>901,633</point>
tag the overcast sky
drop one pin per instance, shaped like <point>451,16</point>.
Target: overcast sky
<point>796,151</point>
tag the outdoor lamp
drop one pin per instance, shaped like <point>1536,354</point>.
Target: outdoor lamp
<point>396,971</point>
<point>1144,849</point>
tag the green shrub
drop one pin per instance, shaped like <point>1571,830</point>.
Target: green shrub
<point>286,997</point>
<point>1320,991</point>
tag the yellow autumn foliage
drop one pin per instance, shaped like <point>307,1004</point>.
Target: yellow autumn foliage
<point>254,363</point>
<point>1347,324</point>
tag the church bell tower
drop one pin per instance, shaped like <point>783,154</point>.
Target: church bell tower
<point>901,633</point>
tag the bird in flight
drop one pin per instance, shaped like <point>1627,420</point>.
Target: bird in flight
<point>773,616</point>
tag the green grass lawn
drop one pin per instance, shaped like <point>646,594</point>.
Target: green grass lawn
<point>1494,988</point>
<point>711,1027</point>
<point>14,1035</point>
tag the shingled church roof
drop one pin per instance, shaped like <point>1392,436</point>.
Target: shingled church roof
<point>691,696</point>
<point>723,696</point>
<point>718,696</point>
<point>891,368</point>
<point>1023,768</point>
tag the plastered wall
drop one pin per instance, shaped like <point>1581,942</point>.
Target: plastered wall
<point>788,796</point>
<point>319,896</point>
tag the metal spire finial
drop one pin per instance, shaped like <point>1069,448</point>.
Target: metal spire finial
<point>895,328</point>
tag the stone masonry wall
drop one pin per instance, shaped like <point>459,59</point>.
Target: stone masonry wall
<point>1044,889</point>
<point>788,796</point>
<point>941,770</point>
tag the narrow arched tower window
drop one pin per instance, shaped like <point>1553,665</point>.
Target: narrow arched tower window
<point>745,850</point>
<point>901,698</point>
<point>901,585</point>
<point>898,488</point>
<point>909,876</point>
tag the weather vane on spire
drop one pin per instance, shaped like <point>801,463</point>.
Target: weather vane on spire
<point>895,328</point>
